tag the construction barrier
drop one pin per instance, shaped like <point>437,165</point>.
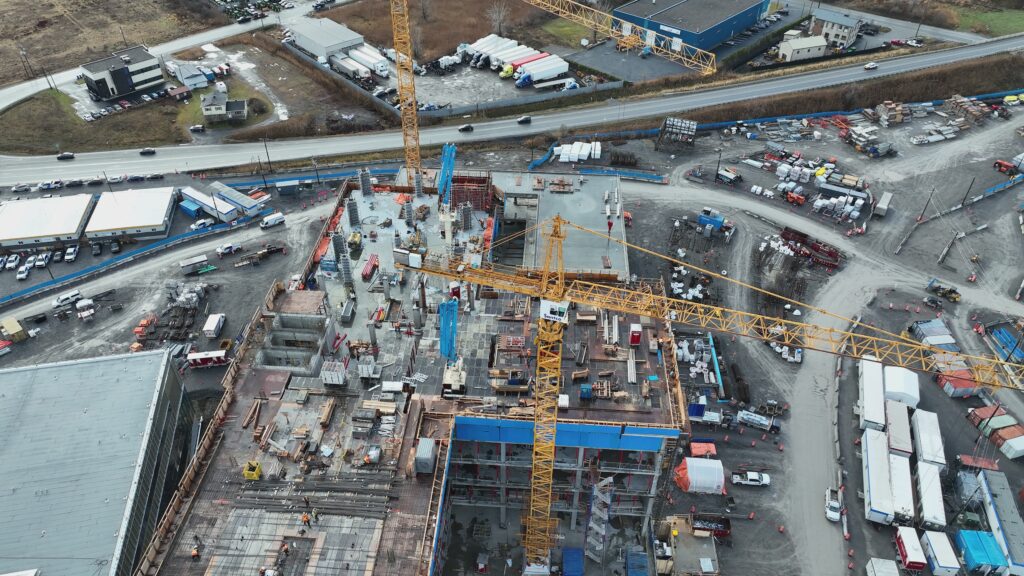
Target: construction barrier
<point>345,175</point>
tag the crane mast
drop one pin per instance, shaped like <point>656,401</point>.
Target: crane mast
<point>407,91</point>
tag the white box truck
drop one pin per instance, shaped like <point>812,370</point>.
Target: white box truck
<point>545,69</point>
<point>371,59</point>
<point>349,67</point>
<point>214,324</point>
<point>878,504</point>
<point>872,394</point>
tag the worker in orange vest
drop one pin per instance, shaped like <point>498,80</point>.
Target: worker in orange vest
<point>305,519</point>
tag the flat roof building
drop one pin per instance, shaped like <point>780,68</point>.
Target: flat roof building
<point>701,23</point>
<point>43,221</point>
<point>122,73</point>
<point>94,449</point>
<point>246,206</point>
<point>145,213</point>
<point>322,37</point>
<point>796,49</point>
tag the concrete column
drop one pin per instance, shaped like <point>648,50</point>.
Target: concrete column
<point>653,492</point>
<point>469,297</point>
<point>577,485</point>
<point>386,285</point>
<point>503,490</point>
<point>423,295</point>
<point>373,333</point>
<point>417,318</point>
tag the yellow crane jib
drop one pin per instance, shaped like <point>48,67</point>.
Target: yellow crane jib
<point>406,88</point>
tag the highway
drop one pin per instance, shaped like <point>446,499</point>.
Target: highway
<point>203,157</point>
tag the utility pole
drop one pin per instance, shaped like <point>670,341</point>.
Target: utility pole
<point>718,166</point>
<point>927,202</point>
<point>107,182</point>
<point>964,201</point>
<point>270,166</point>
<point>317,170</point>
<point>123,37</point>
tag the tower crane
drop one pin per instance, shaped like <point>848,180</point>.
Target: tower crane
<point>630,35</point>
<point>550,284</point>
<point>407,91</point>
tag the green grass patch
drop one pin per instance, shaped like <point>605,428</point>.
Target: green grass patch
<point>192,113</point>
<point>991,23</point>
<point>568,33</point>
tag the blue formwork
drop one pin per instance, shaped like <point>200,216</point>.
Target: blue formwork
<point>189,207</point>
<point>636,564</point>
<point>572,561</point>
<point>624,437</point>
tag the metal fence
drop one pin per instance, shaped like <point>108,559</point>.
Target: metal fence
<point>518,101</point>
<point>127,257</point>
<point>344,175</point>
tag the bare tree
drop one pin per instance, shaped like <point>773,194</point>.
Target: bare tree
<point>425,7</point>
<point>498,14</point>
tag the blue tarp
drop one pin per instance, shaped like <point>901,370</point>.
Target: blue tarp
<point>979,549</point>
<point>449,313</point>
<point>1007,342</point>
<point>572,561</point>
<point>636,564</point>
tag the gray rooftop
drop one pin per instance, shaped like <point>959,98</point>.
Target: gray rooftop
<point>235,105</point>
<point>215,98</point>
<point>827,15</point>
<point>135,54</point>
<point>73,433</point>
<point>1007,525</point>
<point>689,15</point>
<point>325,32</point>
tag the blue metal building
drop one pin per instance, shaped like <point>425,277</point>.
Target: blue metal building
<point>701,23</point>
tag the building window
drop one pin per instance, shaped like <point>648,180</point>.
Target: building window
<point>146,69</point>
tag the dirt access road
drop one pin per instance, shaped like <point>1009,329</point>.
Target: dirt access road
<point>809,431</point>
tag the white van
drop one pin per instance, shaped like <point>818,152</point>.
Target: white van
<point>65,299</point>
<point>272,220</point>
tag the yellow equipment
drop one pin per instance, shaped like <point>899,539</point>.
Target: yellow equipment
<point>355,241</point>
<point>549,284</point>
<point>406,87</point>
<point>252,470</point>
<point>628,35</point>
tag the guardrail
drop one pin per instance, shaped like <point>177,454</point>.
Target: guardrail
<point>626,174</point>
<point>127,258</point>
<point>345,175</point>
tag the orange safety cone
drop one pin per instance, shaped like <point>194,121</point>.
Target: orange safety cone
<point>726,439</point>
<point>764,437</point>
<point>781,446</point>
<point>849,553</point>
<point>850,566</point>
<point>751,515</point>
<point>753,443</point>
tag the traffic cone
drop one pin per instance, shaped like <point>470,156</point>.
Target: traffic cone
<point>751,516</point>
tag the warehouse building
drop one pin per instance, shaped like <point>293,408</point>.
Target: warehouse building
<point>95,448</point>
<point>701,23</point>
<point>141,214</point>
<point>43,221</point>
<point>323,38</point>
<point>796,49</point>
<point>123,73</point>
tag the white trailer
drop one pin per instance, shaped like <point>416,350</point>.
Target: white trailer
<point>882,567</point>
<point>371,59</point>
<point>942,559</point>
<point>930,512</point>
<point>897,428</point>
<point>928,438</point>
<point>878,502</point>
<point>476,46</point>
<point>902,385</point>
<point>214,324</point>
<point>349,67</point>
<point>872,394</point>
<point>539,73</point>
<point>512,54</point>
<point>902,489</point>
<point>525,68</point>
<point>500,46</point>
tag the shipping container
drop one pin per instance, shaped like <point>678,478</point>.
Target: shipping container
<point>878,501</point>
<point>977,415</point>
<point>988,427</point>
<point>908,546</point>
<point>942,559</point>
<point>958,384</point>
<point>1010,441</point>
<point>897,428</point>
<point>931,515</point>
<point>872,394</point>
<point>928,438</point>
<point>902,385</point>
<point>902,489</point>
<point>207,359</point>
<point>426,456</point>
<point>882,207</point>
<point>981,552</point>
<point>214,323</point>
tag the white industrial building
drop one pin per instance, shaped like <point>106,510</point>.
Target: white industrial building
<point>322,37</point>
<point>93,450</point>
<point>140,214</point>
<point>43,221</point>
<point>796,49</point>
<point>122,73</point>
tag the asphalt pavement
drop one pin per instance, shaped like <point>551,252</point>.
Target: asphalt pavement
<point>204,157</point>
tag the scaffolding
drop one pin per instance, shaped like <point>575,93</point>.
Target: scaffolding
<point>473,187</point>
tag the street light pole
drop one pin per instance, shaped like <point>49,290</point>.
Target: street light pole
<point>317,170</point>
<point>718,166</point>
<point>267,149</point>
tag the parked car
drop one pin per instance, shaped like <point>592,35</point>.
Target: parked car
<point>23,272</point>
<point>21,188</point>
<point>833,511</point>
<point>115,247</point>
<point>228,248</point>
<point>58,255</point>
<point>96,248</point>
<point>51,185</point>
<point>43,260</point>
<point>751,479</point>
<point>12,262</point>
<point>30,261</point>
<point>147,151</point>
<point>915,43</point>
<point>95,181</point>
<point>3,262</point>
<point>871,66</point>
<point>197,128</point>
<point>466,128</point>
<point>66,156</point>
<point>243,19</point>
<point>88,117</point>
<point>74,183</point>
<point>104,112</point>
<point>203,223</point>
<point>136,178</point>
<point>71,253</point>
<point>154,176</point>
<point>115,179</point>
<point>118,108</point>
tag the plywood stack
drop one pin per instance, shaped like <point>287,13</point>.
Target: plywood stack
<point>862,136</point>
<point>970,109</point>
<point>890,112</point>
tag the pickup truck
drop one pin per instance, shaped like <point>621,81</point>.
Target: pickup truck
<point>228,248</point>
<point>751,479</point>
<point>833,510</point>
